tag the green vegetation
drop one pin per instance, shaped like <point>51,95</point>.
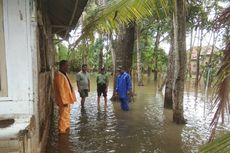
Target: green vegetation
<point>221,145</point>
<point>107,39</point>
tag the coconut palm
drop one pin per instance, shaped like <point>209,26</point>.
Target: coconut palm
<point>125,12</point>
<point>119,12</point>
<point>222,100</point>
<point>221,144</point>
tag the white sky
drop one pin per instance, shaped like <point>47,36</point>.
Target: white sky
<point>208,40</point>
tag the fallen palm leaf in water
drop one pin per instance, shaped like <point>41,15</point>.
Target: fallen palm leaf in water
<point>221,145</point>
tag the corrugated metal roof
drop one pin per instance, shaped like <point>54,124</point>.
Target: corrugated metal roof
<point>64,15</point>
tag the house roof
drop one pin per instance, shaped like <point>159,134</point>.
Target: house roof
<point>64,15</point>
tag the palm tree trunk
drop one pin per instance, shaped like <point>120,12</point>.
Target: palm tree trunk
<point>190,55</point>
<point>149,71</point>
<point>100,62</point>
<point>157,42</point>
<point>180,61</point>
<point>139,64</point>
<point>124,49</point>
<point>198,58</point>
<point>113,50</point>
<point>168,99</point>
<point>85,49</point>
<point>85,53</point>
<point>101,58</point>
<point>101,53</point>
<point>112,47</point>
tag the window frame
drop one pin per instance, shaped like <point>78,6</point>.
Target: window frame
<point>3,68</point>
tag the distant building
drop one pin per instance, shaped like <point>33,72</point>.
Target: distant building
<point>205,55</point>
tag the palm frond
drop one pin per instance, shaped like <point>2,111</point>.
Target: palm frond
<point>221,103</point>
<point>222,99</point>
<point>221,144</point>
<point>223,18</point>
<point>121,12</point>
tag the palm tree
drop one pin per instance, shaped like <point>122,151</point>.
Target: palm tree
<point>180,61</point>
<point>119,16</point>
<point>222,90</point>
<point>124,49</point>
<point>119,12</point>
<point>139,62</point>
<point>125,11</point>
<point>221,144</point>
<point>168,101</point>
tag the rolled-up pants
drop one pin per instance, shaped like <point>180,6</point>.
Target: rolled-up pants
<point>64,118</point>
<point>124,103</point>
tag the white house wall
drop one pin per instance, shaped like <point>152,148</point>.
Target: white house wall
<point>19,47</point>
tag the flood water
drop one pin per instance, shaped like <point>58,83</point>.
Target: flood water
<point>146,128</point>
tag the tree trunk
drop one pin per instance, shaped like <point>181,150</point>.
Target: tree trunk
<point>139,63</point>
<point>149,71</point>
<point>85,53</point>
<point>157,42</point>
<point>198,58</point>
<point>100,64</point>
<point>113,50</point>
<point>180,61</point>
<point>127,49</point>
<point>213,47</point>
<point>124,49</point>
<point>168,100</point>
<point>112,46</point>
<point>101,58</point>
<point>190,54</point>
<point>85,47</point>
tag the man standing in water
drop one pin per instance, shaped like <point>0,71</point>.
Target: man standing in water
<point>102,85</point>
<point>83,84</point>
<point>123,88</point>
<point>64,96</point>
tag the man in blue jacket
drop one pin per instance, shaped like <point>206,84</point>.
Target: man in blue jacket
<point>123,88</point>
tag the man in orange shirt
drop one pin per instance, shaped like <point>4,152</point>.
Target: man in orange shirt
<point>64,96</point>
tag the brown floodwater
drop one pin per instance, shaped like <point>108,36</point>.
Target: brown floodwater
<point>146,128</point>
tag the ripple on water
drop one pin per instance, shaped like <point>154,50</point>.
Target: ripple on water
<point>146,128</point>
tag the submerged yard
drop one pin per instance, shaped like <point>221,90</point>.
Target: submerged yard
<point>147,127</point>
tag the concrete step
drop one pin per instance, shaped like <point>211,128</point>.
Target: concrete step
<point>13,133</point>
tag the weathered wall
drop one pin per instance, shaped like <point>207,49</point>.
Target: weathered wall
<point>29,64</point>
<point>46,56</point>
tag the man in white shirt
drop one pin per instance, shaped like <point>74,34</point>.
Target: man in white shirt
<point>83,83</point>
